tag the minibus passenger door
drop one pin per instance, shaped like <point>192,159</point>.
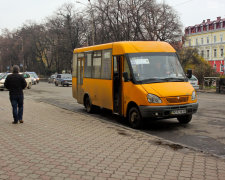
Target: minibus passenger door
<point>117,85</point>
<point>80,69</point>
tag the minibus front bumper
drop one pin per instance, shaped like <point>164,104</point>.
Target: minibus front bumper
<point>168,111</point>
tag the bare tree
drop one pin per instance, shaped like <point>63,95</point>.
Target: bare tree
<point>47,48</point>
<point>136,20</point>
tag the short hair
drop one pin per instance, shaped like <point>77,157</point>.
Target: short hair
<point>16,69</point>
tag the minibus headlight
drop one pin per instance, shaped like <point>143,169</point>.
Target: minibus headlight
<point>153,98</point>
<point>193,96</point>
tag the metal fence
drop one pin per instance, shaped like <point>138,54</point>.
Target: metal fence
<point>220,85</point>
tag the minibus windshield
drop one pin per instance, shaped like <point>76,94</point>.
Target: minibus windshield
<point>156,67</point>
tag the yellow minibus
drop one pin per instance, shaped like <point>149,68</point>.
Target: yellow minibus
<point>135,79</point>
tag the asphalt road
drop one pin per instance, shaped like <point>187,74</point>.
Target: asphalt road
<point>205,132</point>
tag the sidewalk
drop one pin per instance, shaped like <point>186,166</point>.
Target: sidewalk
<point>54,143</point>
<point>207,90</point>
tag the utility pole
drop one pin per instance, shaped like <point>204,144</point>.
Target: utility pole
<point>93,24</point>
<point>93,20</point>
<point>21,38</point>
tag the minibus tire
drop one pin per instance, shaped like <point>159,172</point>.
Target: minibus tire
<point>184,119</point>
<point>134,118</point>
<point>90,108</point>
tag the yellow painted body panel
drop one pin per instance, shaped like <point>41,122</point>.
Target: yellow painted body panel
<point>133,93</point>
<point>138,93</point>
<point>141,46</point>
<point>100,92</point>
<point>74,87</point>
<point>130,47</point>
<point>169,89</point>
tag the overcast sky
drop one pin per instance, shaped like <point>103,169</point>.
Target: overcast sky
<point>14,13</point>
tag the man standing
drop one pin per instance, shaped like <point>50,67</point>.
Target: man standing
<point>15,83</point>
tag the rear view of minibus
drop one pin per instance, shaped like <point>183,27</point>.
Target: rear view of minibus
<point>155,85</point>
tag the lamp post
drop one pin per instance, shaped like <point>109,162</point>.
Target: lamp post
<point>93,25</point>
<point>22,53</point>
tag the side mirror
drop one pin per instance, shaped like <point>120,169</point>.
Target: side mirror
<point>125,76</point>
<point>189,73</point>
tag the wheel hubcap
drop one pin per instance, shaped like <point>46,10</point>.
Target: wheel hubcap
<point>134,117</point>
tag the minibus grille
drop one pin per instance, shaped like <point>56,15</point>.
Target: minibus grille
<point>177,99</point>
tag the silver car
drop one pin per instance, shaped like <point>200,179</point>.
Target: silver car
<point>194,82</point>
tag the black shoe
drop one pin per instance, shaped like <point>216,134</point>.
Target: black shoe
<point>21,121</point>
<point>14,122</point>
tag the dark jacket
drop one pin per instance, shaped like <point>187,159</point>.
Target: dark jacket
<point>15,83</point>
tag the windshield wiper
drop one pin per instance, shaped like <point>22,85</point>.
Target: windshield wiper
<point>172,79</point>
<point>153,80</point>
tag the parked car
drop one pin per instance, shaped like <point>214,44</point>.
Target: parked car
<point>25,75</point>
<point>194,82</point>
<point>1,75</point>
<point>52,78</point>
<point>35,77</point>
<point>63,79</point>
<point>28,79</point>
<point>2,81</point>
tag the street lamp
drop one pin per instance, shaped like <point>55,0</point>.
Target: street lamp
<point>22,53</point>
<point>93,25</point>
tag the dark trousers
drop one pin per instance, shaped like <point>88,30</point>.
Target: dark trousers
<point>17,106</point>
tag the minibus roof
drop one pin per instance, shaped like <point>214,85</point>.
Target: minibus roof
<point>124,47</point>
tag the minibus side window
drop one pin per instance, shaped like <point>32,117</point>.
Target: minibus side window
<point>88,65</point>
<point>74,65</point>
<point>97,61</point>
<point>106,64</point>
<point>115,65</point>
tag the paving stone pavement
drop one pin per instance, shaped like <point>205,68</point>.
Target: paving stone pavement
<point>54,143</point>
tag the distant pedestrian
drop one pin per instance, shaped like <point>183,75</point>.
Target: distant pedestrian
<point>15,83</point>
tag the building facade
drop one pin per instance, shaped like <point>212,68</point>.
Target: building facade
<point>209,38</point>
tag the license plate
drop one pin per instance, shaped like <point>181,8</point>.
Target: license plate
<point>178,111</point>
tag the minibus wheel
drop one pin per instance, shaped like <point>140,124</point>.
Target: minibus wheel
<point>135,118</point>
<point>184,119</point>
<point>89,107</point>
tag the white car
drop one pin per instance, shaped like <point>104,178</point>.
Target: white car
<point>35,76</point>
<point>194,82</point>
<point>25,75</point>
<point>2,81</point>
<point>28,80</point>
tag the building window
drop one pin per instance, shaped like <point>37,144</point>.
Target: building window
<point>215,53</point>
<point>202,40</point>
<point>221,37</point>
<point>196,41</point>
<point>202,53</point>
<point>207,53</point>
<point>214,39</point>
<point>214,66</point>
<point>207,40</point>
<point>221,52</point>
<point>221,67</point>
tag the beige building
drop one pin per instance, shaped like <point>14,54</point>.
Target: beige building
<point>209,38</point>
